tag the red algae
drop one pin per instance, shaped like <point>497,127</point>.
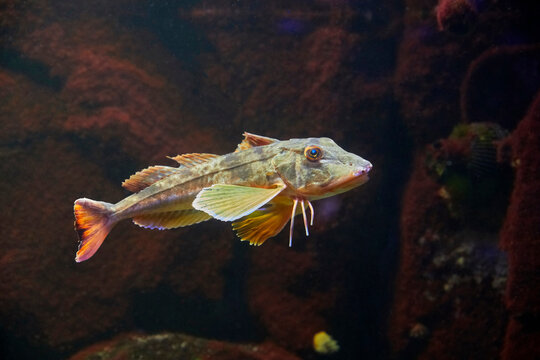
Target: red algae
<point>431,65</point>
<point>123,90</point>
<point>109,103</point>
<point>497,87</point>
<point>110,93</point>
<point>291,320</point>
<point>520,238</point>
<point>455,15</point>
<point>328,46</point>
<point>43,287</point>
<point>439,274</point>
<point>420,203</point>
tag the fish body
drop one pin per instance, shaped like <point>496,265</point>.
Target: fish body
<point>258,187</point>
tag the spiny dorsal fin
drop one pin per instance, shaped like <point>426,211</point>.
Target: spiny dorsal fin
<point>252,140</point>
<point>192,159</point>
<point>147,177</point>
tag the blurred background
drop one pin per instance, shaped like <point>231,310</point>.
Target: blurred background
<point>437,256</point>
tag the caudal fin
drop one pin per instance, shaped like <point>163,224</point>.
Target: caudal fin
<point>93,223</point>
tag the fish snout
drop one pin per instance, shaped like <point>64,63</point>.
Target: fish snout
<point>363,169</point>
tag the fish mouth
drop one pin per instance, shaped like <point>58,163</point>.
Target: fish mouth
<point>356,178</point>
<point>345,183</point>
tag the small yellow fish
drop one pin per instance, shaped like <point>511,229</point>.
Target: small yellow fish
<point>323,343</point>
<point>258,187</point>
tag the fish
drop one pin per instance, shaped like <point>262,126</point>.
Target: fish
<point>259,187</point>
<point>484,139</point>
<point>324,343</point>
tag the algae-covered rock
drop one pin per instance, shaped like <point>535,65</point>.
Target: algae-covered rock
<point>179,346</point>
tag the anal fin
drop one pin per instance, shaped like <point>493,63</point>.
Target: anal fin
<point>171,219</point>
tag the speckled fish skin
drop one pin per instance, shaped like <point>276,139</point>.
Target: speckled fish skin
<point>246,168</point>
<point>261,166</point>
<point>282,167</point>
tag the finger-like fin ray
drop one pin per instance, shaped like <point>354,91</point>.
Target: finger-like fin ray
<point>312,212</point>
<point>304,216</point>
<point>293,213</point>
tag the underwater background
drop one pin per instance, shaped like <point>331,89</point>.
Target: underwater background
<point>436,257</point>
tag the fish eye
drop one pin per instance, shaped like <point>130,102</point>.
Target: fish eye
<point>313,153</point>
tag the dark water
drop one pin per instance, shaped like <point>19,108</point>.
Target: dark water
<point>435,257</point>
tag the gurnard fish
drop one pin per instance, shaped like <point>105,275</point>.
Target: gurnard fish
<point>258,187</point>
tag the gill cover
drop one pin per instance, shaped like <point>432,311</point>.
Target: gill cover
<point>298,171</point>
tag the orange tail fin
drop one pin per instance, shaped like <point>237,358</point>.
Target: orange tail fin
<point>93,223</point>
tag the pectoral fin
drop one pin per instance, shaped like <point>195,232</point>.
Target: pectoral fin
<point>264,223</point>
<point>231,202</point>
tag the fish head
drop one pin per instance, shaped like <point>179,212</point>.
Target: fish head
<point>316,168</point>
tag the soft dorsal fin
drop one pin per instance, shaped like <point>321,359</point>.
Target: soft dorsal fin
<point>147,177</point>
<point>192,159</point>
<point>230,202</point>
<point>252,140</point>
